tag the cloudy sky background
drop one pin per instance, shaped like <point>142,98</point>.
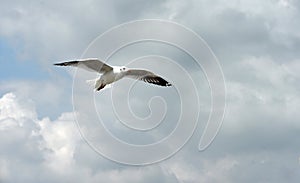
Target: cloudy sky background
<point>257,43</point>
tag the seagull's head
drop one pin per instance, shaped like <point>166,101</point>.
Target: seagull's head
<point>123,69</point>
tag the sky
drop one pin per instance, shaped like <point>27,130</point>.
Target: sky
<point>41,135</point>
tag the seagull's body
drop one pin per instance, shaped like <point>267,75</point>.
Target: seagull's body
<point>111,74</point>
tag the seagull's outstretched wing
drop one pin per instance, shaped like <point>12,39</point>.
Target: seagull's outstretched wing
<point>93,65</point>
<point>147,76</point>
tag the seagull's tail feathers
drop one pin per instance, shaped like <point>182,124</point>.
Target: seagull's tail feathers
<point>97,85</point>
<point>92,83</point>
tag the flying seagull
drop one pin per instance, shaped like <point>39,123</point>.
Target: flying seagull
<point>111,74</point>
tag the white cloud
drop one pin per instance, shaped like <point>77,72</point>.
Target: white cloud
<point>53,150</point>
<point>33,142</point>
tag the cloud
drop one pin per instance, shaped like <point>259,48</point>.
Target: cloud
<point>46,32</point>
<point>53,151</point>
<point>257,140</point>
<point>26,144</point>
<point>238,29</point>
<point>44,149</point>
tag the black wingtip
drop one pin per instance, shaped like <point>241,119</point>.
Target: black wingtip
<point>157,81</point>
<point>163,82</point>
<point>59,64</point>
<point>70,63</point>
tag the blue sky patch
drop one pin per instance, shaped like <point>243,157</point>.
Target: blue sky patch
<point>13,68</point>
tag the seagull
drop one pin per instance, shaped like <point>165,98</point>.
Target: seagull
<point>111,74</point>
